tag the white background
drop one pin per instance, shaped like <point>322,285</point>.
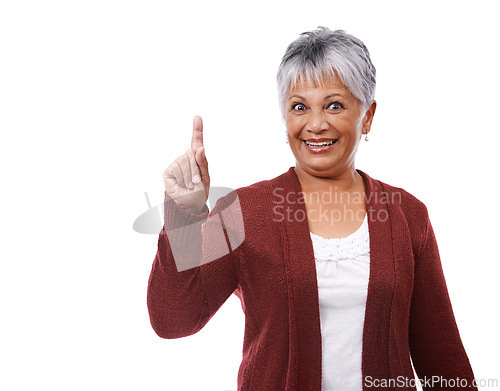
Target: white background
<point>97,98</point>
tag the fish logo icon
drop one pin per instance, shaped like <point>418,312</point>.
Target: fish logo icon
<point>206,239</point>
<point>151,221</point>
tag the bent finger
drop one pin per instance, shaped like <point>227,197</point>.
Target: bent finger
<point>185,167</point>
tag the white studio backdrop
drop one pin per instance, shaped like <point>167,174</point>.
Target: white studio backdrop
<point>97,98</point>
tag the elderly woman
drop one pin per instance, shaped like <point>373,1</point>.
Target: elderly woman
<point>338,274</point>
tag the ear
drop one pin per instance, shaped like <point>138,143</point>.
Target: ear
<point>368,118</point>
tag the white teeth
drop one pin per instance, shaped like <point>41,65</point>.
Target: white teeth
<point>320,144</point>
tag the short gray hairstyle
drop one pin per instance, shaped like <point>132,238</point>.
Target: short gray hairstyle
<point>324,53</point>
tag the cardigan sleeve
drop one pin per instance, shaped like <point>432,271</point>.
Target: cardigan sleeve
<point>436,348</point>
<point>193,272</point>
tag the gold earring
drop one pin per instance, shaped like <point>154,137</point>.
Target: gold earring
<point>366,137</point>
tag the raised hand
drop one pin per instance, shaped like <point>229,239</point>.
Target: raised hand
<point>187,180</point>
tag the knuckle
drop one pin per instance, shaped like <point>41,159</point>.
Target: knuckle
<point>169,170</point>
<point>182,162</point>
<point>174,166</point>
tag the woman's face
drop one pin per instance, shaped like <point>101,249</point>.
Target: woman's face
<point>324,126</point>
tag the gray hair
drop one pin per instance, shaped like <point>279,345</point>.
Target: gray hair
<point>324,53</point>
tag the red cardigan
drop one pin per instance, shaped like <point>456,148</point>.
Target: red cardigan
<point>272,271</point>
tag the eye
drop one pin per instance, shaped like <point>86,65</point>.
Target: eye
<point>298,107</point>
<point>335,106</point>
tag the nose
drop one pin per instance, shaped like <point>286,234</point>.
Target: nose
<point>317,122</point>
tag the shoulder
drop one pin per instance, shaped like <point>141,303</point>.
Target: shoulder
<point>403,200</point>
<point>403,206</point>
<point>407,212</point>
<point>396,197</point>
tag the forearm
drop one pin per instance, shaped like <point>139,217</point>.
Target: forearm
<point>174,297</point>
<point>194,269</point>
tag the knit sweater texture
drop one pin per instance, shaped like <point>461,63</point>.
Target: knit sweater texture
<point>408,316</point>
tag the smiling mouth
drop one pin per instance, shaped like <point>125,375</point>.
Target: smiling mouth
<point>320,144</point>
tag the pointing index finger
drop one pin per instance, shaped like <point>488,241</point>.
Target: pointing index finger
<point>197,138</point>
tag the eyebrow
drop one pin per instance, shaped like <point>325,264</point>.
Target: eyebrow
<point>326,97</point>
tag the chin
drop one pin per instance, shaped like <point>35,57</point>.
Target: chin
<point>323,168</point>
<point>319,163</point>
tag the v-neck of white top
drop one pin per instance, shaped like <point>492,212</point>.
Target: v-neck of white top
<point>343,269</point>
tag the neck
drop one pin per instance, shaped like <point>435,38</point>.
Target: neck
<point>344,181</point>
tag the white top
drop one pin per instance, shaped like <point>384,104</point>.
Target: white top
<point>343,270</point>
